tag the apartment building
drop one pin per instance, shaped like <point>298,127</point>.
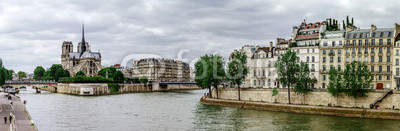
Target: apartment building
<point>162,70</point>
<point>331,54</point>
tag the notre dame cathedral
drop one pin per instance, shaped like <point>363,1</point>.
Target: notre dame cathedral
<point>83,60</point>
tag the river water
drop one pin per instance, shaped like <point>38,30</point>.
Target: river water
<point>172,111</point>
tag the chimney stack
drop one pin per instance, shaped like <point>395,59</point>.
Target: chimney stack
<point>270,44</point>
<point>373,27</point>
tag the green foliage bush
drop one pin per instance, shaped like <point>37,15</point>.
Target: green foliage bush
<point>113,87</point>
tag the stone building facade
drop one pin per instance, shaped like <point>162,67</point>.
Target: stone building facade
<point>161,70</point>
<point>83,60</point>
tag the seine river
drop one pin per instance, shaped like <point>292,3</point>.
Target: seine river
<point>172,111</point>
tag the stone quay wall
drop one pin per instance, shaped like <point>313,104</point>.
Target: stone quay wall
<point>315,97</point>
<point>83,89</point>
<point>306,109</point>
<point>131,88</point>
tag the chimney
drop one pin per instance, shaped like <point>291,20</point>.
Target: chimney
<point>373,27</point>
<point>270,44</point>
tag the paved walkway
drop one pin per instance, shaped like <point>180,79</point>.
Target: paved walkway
<point>22,120</point>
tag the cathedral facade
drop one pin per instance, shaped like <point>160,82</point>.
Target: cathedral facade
<point>83,60</point>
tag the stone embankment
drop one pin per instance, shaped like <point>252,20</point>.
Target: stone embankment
<point>95,89</point>
<point>306,109</point>
<point>21,121</point>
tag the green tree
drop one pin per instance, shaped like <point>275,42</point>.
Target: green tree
<point>10,74</point>
<point>21,74</point>
<point>209,71</point>
<point>143,79</point>
<point>109,70</point>
<point>38,73</point>
<point>275,93</point>
<point>357,79</point>
<point>335,87</point>
<point>286,67</point>
<point>80,73</point>
<point>303,80</point>
<point>3,75</point>
<point>237,70</point>
<point>118,76</point>
<point>58,74</point>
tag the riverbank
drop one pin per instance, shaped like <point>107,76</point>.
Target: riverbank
<point>21,117</point>
<point>306,109</point>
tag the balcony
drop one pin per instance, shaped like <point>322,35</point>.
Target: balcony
<point>323,71</point>
<point>397,77</point>
<point>331,54</point>
<point>312,69</point>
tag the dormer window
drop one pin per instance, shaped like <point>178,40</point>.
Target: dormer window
<point>381,34</point>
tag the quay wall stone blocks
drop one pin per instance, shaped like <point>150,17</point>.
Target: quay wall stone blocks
<point>316,97</point>
<point>129,88</point>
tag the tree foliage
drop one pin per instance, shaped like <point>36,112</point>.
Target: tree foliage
<point>237,70</point>
<point>118,76</point>
<point>80,73</point>
<point>21,74</point>
<point>357,79</point>
<point>286,68</point>
<point>143,79</point>
<point>55,73</point>
<point>38,73</point>
<point>108,70</point>
<point>209,71</point>
<point>303,79</point>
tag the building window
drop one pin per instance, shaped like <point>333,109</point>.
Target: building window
<point>359,50</point>
<point>324,52</point>
<point>312,50</point>
<point>323,77</point>
<point>359,42</point>
<point>397,71</point>
<point>347,59</point>
<point>255,82</point>
<point>365,50</point>
<point>353,59</point>
<point>380,69</point>
<point>380,41</point>
<point>339,59</point>
<point>397,52</point>
<point>339,68</point>
<point>380,59</point>
<point>372,50</point>
<point>339,51</point>
<point>312,67</point>
<point>372,59</point>
<point>333,43</point>
<point>373,41</point>
<point>331,59</point>
<point>308,50</point>
<point>331,67</point>
<point>389,42</point>
<point>380,77</point>
<point>372,69</point>
<point>380,50</point>
<point>388,50</point>
<point>324,68</point>
<point>388,68</point>
<point>313,59</point>
<point>388,58</point>
<point>366,59</point>
<point>325,44</point>
<point>397,61</point>
<point>308,59</point>
<point>348,42</point>
<point>366,42</point>
<point>340,43</point>
<point>323,59</point>
<point>354,42</point>
<point>388,78</point>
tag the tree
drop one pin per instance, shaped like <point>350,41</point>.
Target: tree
<point>55,73</point>
<point>21,74</point>
<point>209,71</point>
<point>143,79</point>
<point>357,79</point>
<point>303,80</point>
<point>109,71</point>
<point>38,73</point>
<point>286,67</point>
<point>275,93</point>
<point>3,75</point>
<point>119,76</point>
<point>80,73</point>
<point>10,74</point>
<point>335,87</point>
<point>237,70</point>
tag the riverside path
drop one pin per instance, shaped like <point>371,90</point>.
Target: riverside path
<point>21,116</point>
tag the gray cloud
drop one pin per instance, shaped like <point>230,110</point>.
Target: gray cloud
<point>31,32</point>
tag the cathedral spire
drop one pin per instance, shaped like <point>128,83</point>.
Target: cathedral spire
<point>83,43</point>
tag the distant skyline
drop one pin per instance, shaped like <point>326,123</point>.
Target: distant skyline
<point>32,32</point>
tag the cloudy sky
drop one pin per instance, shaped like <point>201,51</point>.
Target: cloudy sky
<point>32,32</point>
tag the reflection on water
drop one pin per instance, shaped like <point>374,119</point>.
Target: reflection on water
<point>173,111</point>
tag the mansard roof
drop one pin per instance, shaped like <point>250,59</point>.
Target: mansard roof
<point>368,33</point>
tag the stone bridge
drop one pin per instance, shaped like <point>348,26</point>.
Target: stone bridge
<point>38,85</point>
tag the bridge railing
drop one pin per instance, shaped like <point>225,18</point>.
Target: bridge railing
<point>32,82</point>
